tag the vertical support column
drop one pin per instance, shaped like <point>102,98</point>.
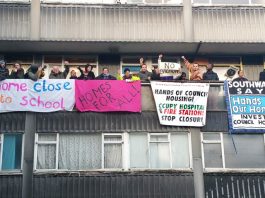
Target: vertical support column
<point>188,21</point>
<point>35,20</point>
<point>197,163</point>
<point>29,142</point>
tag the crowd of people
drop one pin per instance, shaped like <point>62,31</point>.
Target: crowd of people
<point>36,72</point>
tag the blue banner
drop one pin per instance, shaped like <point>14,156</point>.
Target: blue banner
<point>246,106</point>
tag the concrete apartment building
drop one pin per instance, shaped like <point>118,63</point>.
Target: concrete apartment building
<point>48,148</point>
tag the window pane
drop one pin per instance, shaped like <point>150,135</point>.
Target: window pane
<point>212,156</point>
<point>159,155</point>
<point>80,152</point>
<point>201,1</point>
<point>212,136</point>
<point>180,151</point>
<point>157,138</point>
<point>230,1</point>
<point>47,137</point>
<point>258,2</point>
<point>112,138</point>
<point>216,98</point>
<point>12,150</point>
<point>250,151</point>
<point>46,157</point>
<point>138,150</point>
<point>112,156</point>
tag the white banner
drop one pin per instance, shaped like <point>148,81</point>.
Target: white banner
<point>181,104</point>
<point>38,96</point>
<point>168,68</point>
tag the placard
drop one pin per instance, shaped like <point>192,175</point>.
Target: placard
<point>246,106</point>
<point>108,95</point>
<point>39,96</point>
<point>181,104</point>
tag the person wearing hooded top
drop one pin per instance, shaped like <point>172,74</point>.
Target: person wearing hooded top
<point>4,73</point>
<point>88,74</point>
<point>57,74</point>
<point>105,75</point>
<point>17,72</point>
<point>34,72</point>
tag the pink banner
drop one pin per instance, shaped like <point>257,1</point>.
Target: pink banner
<point>108,95</point>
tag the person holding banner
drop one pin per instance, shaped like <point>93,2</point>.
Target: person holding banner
<point>209,74</point>
<point>3,70</point>
<point>34,72</point>
<point>105,75</point>
<point>240,76</point>
<point>194,69</point>
<point>88,74</point>
<point>57,74</point>
<point>144,74</point>
<point>169,70</point>
<point>17,72</point>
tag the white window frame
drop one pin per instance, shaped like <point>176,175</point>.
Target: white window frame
<point>37,142</point>
<point>224,169</point>
<point>113,142</point>
<point>221,142</point>
<point>211,3</point>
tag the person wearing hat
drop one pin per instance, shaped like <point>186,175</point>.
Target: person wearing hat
<point>88,74</point>
<point>17,72</point>
<point>34,72</point>
<point>3,70</point>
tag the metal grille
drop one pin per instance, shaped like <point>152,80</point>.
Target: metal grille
<point>229,24</point>
<point>117,185</point>
<point>234,185</point>
<point>111,23</point>
<point>14,21</point>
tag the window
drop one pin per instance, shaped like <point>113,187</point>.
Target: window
<point>238,2</point>
<point>159,150</point>
<point>248,151</point>
<point>46,151</point>
<point>112,151</point>
<point>10,151</point>
<point>78,151</point>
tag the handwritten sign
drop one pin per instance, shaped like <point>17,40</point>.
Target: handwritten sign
<point>168,69</point>
<point>39,96</point>
<point>246,106</point>
<point>181,104</point>
<point>104,96</point>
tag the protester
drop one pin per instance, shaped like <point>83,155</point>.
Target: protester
<point>17,72</point>
<point>34,72</point>
<point>73,74</point>
<point>240,76</point>
<point>168,76</point>
<point>262,75</point>
<point>88,74</point>
<point>194,69</point>
<point>144,74</point>
<point>57,74</point>
<point>209,74</point>
<point>155,73</point>
<point>183,76</point>
<point>3,70</point>
<point>105,75</point>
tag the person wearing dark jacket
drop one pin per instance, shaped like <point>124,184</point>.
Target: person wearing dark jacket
<point>73,75</point>
<point>240,76</point>
<point>88,74</point>
<point>105,75</point>
<point>4,73</point>
<point>57,74</point>
<point>262,75</point>
<point>34,72</point>
<point>209,74</point>
<point>17,72</point>
<point>155,73</point>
